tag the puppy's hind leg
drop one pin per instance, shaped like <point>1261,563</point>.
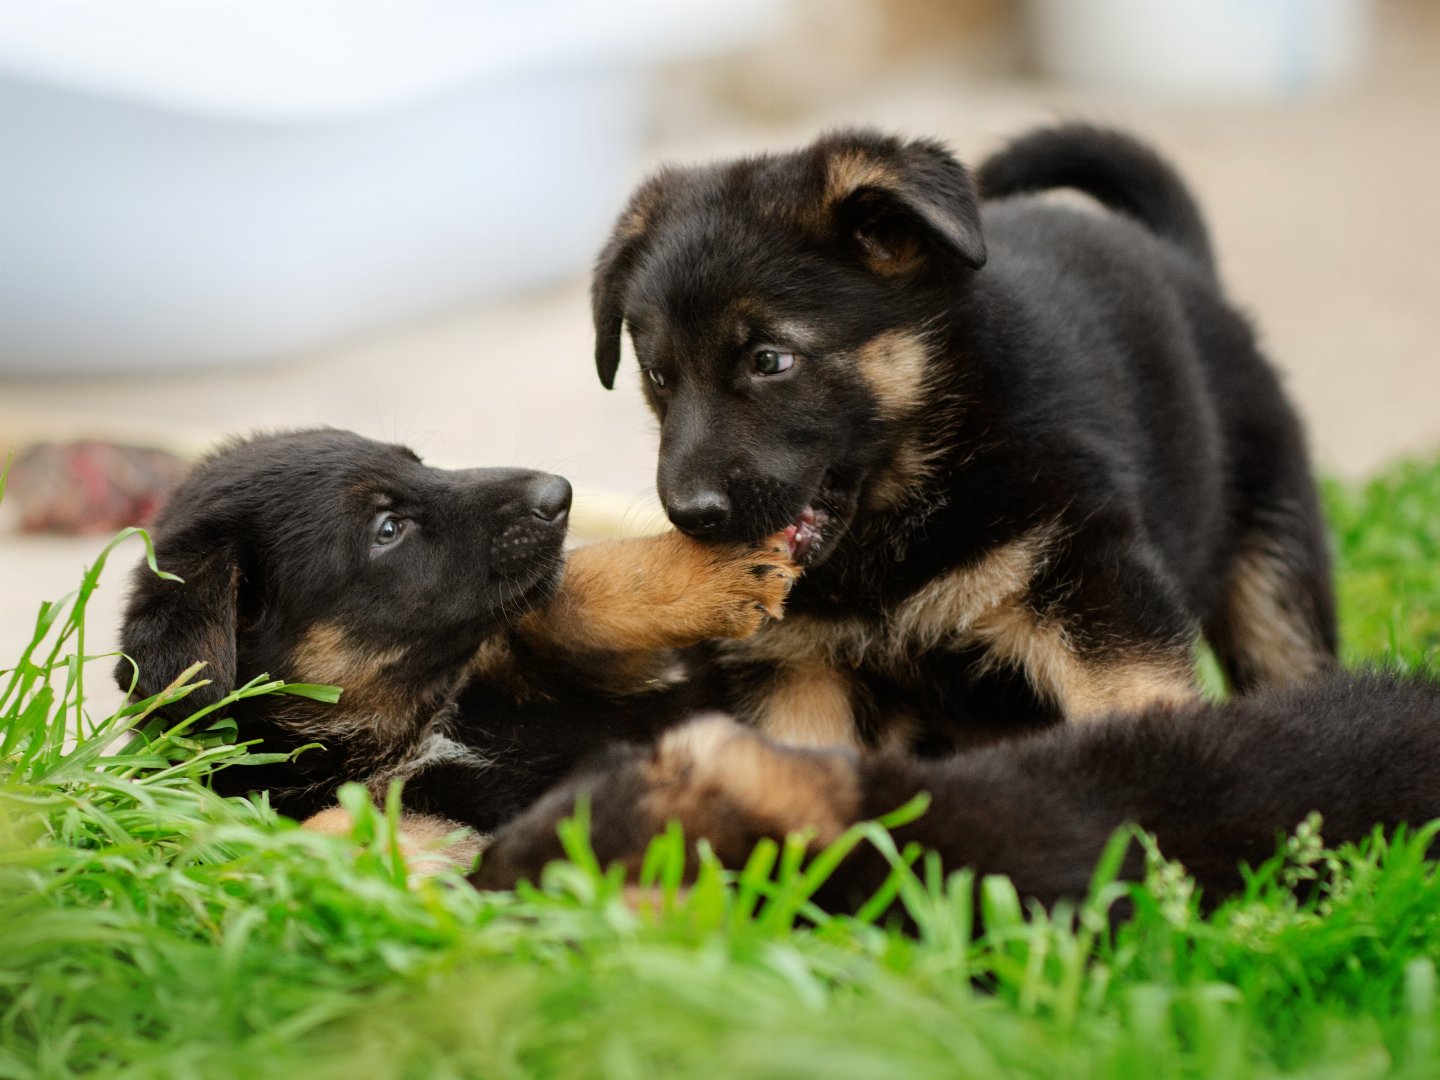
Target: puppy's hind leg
<point>1276,621</point>
<point>1273,621</point>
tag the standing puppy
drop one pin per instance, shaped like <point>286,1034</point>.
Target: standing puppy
<point>1016,437</point>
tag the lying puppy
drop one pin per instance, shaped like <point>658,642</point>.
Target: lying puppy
<point>1216,784</point>
<point>1014,436</point>
<point>475,663</point>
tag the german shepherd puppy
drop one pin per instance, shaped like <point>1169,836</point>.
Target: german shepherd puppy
<point>1004,435</point>
<point>1216,784</point>
<point>476,663</point>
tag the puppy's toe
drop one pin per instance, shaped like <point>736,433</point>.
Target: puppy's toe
<point>751,603</point>
<point>773,574</point>
<point>745,585</point>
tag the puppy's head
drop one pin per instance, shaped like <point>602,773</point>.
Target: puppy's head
<point>781,309</point>
<point>321,556</point>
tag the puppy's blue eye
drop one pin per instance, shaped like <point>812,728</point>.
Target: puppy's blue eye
<point>387,530</point>
<point>656,378</point>
<point>773,361</point>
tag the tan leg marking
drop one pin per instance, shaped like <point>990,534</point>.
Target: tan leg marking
<point>1096,690</point>
<point>988,603</point>
<point>708,766</point>
<point>807,704</point>
<point>985,601</point>
<point>1268,636</point>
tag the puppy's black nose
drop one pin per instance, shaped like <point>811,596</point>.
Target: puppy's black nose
<point>550,497</point>
<point>697,514</point>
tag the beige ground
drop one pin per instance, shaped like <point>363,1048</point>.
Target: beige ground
<point>1325,214</point>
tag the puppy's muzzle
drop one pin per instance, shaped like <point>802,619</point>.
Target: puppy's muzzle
<point>538,509</point>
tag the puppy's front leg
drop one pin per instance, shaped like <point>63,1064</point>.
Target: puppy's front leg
<point>1117,642</point>
<point>644,596</point>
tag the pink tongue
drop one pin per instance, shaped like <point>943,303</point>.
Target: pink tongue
<point>802,534</point>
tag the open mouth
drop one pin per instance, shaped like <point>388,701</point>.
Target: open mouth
<point>817,531</point>
<point>807,533</point>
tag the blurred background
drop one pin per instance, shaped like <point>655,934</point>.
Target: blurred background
<point>227,216</point>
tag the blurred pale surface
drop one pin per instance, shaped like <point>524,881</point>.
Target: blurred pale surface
<point>1324,214</point>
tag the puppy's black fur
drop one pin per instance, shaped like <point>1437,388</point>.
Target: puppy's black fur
<point>1008,435</point>
<point>427,595</point>
<point>1217,785</point>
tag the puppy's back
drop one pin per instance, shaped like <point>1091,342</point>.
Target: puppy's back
<point>1217,785</point>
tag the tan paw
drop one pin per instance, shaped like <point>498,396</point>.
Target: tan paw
<point>719,781</point>
<point>747,586</point>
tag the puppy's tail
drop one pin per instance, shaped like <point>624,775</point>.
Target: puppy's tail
<point>1120,172</point>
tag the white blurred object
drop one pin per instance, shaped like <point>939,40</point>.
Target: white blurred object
<point>1203,49</point>
<point>235,180</point>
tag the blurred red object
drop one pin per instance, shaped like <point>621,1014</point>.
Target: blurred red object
<point>90,486</point>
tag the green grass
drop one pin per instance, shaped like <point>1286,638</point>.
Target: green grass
<point>1387,540</point>
<point>150,928</point>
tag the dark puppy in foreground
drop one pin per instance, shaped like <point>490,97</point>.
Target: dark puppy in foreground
<point>1216,784</point>
<point>477,662</point>
<point>1018,445</point>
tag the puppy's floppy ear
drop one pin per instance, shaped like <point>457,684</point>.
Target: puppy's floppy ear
<point>901,201</point>
<point>169,625</point>
<point>613,268</point>
<point>612,271</point>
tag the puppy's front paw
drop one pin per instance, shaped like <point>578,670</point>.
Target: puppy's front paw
<point>747,584</point>
<point>722,782</point>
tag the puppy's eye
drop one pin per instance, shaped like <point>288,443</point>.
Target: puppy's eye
<point>388,529</point>
<point>656,377</point>
<point>773,361</point>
